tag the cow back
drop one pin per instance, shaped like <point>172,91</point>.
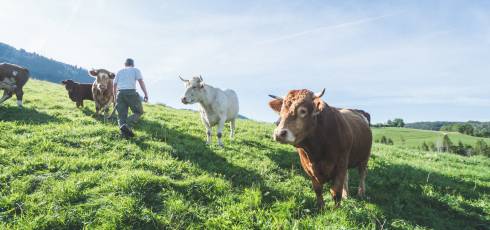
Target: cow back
<point>361,136</point>
<point>20,74</point>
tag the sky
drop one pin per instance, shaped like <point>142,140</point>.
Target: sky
<point>417,60</point>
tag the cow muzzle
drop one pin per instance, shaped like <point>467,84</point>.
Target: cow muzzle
<point>186,101</point>
<point>284,136</point>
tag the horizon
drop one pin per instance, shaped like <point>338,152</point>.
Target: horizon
<point>409,60</point>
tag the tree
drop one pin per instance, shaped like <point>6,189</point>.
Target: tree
<point>458,149</point>
<point>466,129</point>
<point>481,148</point>
<point>445,144</point>
<point>398,122</point>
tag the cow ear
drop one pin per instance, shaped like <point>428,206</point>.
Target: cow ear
<point>319,106</point>
<point>112,75</point>
<point>93,72</point>
<point>276,105</point>
<point>63,82</point>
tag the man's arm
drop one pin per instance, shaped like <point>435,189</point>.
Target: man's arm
<point>143,87</point>
<point>114,90</point>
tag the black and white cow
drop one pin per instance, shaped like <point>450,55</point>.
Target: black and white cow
<point>12,80</point>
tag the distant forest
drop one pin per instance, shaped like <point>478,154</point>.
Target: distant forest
<point>473,128</point>
<point>43,68</point>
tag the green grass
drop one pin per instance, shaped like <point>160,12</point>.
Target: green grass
<point>415,137</point>
<point>62,169</point>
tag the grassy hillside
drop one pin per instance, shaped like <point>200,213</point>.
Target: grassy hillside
<point>62,169</point>
<point>415,137</point>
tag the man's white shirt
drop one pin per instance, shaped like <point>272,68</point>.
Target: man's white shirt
<point>126,78</point>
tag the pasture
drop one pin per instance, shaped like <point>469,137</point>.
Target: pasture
<point>413,138</point>
<point>62,169</point>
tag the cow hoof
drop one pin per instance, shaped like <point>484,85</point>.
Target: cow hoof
<point>320,206</point>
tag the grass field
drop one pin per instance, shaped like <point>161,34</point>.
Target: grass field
<point>415,137</point>
<point>62,169</point>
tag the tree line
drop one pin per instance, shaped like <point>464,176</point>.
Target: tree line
<point>473,128</point>
<point>41,67</point>
<point>397,122</point>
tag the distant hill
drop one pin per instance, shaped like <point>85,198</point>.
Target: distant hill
<point>480,128</point>
<point>413,138</point>
<point>41,67</point>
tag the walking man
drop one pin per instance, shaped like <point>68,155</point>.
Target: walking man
<point>127,97</point>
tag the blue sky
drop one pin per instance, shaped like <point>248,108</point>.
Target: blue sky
<point>418,60</point>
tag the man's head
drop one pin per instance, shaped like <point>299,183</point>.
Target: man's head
<point>129,62</point>
<point>298,112</point>
<point>194,90</point>
<point>103,78</point>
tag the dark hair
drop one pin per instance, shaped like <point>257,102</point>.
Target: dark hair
<point>129,62</point>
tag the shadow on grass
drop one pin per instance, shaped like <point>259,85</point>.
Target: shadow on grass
<point>401,191</point>
<point>26,115</point>
<point>192,149</point>
<point>88,112</point>
<point>422,198</point>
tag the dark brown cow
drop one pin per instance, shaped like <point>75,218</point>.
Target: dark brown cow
<point>12,80</point>
<point>78,91</point>
<point>102,90</point>
<point>329,140</point>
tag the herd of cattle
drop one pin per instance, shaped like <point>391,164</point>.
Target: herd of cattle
<point>329,140</point>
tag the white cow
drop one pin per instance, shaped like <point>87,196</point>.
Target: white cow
<point>216,106</point>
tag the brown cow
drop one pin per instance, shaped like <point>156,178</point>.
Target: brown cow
<point>329,140</point>
<point>12,80</point>
<point>364,114</point>
<point>78,91</point>
<point>102,90</point>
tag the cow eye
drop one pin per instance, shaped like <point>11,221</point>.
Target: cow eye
<point>302,112</point>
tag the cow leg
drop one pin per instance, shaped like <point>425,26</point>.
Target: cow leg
<point>106,112</point>
<point>221,125</point>
<point>6,95</point>
<point>97,109</point>
<point>19,93</point>
<point>78,104</point>
<point>362,178</point>
<point>338,186</point>
<point>345,190</point>
<point>318,188</point>
<point>232,129</point>
<point>208,135</point>
<point>208,128</point>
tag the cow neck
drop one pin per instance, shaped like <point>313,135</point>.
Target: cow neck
<point>318,144</point>
<point>210,97</point>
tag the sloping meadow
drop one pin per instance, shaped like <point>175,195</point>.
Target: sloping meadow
<point>61,168</point>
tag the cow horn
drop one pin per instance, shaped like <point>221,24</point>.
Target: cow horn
<point>320,94</point>
<point>200,78</point>
<point>275,97</point>
<point>183,79</point>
